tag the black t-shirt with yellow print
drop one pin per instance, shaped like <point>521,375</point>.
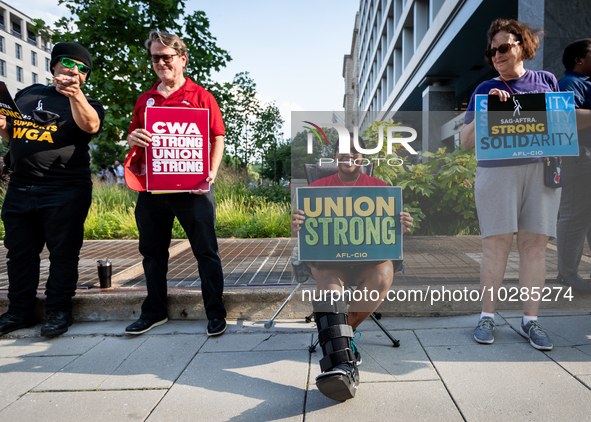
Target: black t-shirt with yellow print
<point>51,153</point>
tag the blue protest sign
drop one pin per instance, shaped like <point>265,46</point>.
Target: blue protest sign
<point>350,223</point>
<point>525,126</point>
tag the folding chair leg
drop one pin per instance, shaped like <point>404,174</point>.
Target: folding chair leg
<point>395,342</point>
<point>312,348</point>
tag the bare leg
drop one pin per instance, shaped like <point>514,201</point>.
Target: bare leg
<point>532,266</point>
<point>329,279</point>
<point>378,278</point>
<point>495,251</point>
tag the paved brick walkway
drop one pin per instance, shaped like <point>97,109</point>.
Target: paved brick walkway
<point>245,262</point>
<point>432,260</point>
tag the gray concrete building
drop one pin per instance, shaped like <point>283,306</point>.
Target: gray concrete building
<point>351,76</point>
<point>428,56</point>
<point>24,57</point>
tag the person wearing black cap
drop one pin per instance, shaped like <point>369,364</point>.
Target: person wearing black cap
<point>50,189</point>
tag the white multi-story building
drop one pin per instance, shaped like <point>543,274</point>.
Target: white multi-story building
<point>428,56</point>
<point>24,56</point>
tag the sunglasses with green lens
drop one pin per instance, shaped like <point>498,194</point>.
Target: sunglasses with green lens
<point>69,63</point>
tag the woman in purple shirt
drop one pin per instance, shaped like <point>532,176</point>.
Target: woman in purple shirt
<point>510,194</point>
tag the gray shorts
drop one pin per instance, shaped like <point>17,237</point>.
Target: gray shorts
<point>512,198</point>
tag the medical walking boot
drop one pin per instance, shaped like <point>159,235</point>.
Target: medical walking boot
<point>340,378</point>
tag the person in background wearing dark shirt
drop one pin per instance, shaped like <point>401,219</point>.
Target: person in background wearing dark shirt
<point>574,223</point>
<point>50,189</point>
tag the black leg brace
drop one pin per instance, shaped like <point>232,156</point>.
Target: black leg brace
<point>340,377</point>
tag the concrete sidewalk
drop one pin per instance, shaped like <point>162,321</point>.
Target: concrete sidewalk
<point>176,373</point>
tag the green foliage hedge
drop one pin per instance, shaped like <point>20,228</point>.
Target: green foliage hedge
<point>440,193</point>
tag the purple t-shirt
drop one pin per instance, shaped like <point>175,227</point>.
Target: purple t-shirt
<point>532,82</point>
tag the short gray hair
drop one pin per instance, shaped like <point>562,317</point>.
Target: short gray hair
<point>167,40</point>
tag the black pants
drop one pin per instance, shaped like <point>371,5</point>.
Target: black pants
<point>155,214</point>
<point>34,216</point>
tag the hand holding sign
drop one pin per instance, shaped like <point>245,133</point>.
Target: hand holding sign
<point>406,221</point>
<point>503,95</point>
<point>139,137</point>
<point>297,219</point>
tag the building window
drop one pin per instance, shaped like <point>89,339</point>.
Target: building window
<point>19,74</point>
<point>47,62</point>
<point>16,30</point>
<point>33,58</point>
<point>31,37</point>
<point>34,78</point>
<point>47,81</point>
<point>2,68</point>
<point>2,45</point>
<point>19,51</point>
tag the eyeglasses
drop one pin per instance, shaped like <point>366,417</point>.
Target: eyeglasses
<point>166,58</point>
<point>503,48</point>
<point>69,63</point>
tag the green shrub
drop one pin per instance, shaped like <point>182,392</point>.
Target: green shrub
<point>111,214</point>
<point>277,194</point>
<point>443,190</point>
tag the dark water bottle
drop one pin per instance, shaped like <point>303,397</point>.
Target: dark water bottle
<point>298,266</point>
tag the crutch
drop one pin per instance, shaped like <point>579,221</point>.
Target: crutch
<point>301,278</point>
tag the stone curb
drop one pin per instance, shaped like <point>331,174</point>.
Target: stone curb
<point>259,304</point>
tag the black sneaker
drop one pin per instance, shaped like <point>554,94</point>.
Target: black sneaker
<point>216,326</point>
<point>143,325</point>
<point>57,323</point>
<point>10,322</point>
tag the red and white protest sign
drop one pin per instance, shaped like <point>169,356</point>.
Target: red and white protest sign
<point>177,159</point>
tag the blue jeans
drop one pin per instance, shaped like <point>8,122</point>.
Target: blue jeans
<point>155,214</point>
<point>35,216</point>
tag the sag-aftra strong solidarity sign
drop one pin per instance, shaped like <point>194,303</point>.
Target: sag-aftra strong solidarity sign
<point>177,159</point>
<point>525,126</point>
<point>350,223</point>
